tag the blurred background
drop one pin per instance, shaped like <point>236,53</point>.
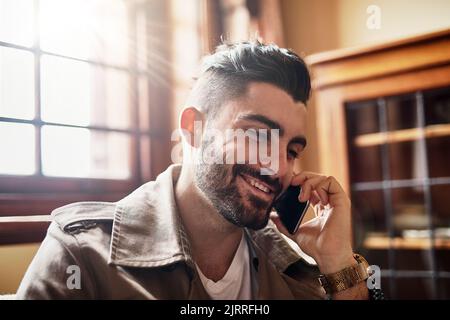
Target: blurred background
<point>90,92</point>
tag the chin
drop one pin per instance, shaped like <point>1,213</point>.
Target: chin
<point>258,223</point>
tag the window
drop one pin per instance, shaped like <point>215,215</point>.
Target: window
<point>75,86</point>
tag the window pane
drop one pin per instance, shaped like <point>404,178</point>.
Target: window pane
<point>88,29</point>
<point>16,84</point>
<point>79,152</point>
<point>16,21</point>
<point>75,92</point>
<point>17,145</point>
<point>141,39</point>
<point>144,103</point>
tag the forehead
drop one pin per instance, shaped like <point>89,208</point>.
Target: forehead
<point>270,101</point>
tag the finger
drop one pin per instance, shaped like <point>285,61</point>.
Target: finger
<point>300,178</point>
<point>323,194</point>
<point>314,200</point>
<point>309,185</point>
<point>330,188</point>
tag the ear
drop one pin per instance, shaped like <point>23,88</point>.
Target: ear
<point>191,124</point>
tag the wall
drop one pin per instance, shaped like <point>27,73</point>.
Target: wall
<point>14,260</point>
<point>399,18</point>
<point>321,25</point>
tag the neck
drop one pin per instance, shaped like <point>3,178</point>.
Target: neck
<point>213,239</point>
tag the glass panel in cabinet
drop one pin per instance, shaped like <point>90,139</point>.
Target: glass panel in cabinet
<point>438,149</point>
<point>406,160</point>
<point>362,118</point>
<point>409,213</point>
<point>443,288</point>
<point>440,202</point>
<point>413,288</point>
<point>370,226</point>
<point>437,119</point>
<point>411,259</point>
<point>401,112</point>
<point>437,106</point>
<point>441,220</point>
<point>410,222</point>
<point>365,163</point>
<point>362,134</point>
<point>442,256</point>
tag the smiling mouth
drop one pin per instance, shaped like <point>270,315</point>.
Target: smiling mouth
<point>258,187</point>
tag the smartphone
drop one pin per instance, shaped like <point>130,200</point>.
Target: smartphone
<point>290,210</point>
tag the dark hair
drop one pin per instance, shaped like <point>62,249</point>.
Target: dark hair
<point>226,73</point>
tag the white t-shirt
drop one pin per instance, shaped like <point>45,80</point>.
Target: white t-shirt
<point>236,283</point>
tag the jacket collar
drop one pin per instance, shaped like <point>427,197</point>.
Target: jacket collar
<point>147,230</point>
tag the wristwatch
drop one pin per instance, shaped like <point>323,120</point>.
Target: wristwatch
<point>346,278</point>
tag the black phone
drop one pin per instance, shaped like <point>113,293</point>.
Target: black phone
<point>290,210</point>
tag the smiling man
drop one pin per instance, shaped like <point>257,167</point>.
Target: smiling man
<point>205,229</point>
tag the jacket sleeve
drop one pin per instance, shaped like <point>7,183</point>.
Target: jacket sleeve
<point>58,270</point>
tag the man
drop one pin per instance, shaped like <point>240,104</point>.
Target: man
<point>204,229</point>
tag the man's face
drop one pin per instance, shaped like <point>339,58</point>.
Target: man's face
<point>239,192</point>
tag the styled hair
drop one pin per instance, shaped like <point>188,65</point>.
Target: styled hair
<point>226,73</point>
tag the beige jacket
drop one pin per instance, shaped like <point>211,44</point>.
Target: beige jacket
<point>137,248</point>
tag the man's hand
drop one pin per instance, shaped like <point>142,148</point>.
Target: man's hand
<point>328,237</point>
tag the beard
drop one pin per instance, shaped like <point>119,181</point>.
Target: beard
<point>218,182</point>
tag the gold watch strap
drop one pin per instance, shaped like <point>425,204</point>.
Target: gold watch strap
<point>346,278</point>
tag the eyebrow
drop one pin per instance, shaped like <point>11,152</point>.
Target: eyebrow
<point>272,125</point>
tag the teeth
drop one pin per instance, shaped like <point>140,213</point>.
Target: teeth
<point>259,186</point>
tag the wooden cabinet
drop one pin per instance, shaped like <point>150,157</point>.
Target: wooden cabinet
<point>383,119</point>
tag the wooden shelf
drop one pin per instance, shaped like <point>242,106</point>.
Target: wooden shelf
<point>383,242</point>
<point>378,138</point>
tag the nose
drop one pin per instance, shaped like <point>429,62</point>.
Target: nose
<point>278,165</point>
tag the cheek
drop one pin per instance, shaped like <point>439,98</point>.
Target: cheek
<point>240,151</point>
<point>287,179</point>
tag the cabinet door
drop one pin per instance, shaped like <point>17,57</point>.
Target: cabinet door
<point>399,172</point>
